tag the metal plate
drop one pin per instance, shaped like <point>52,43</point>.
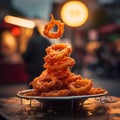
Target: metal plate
<point>21,94</point>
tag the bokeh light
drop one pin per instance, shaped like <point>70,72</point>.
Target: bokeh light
<point>74,13</point>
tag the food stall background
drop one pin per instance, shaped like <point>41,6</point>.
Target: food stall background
<point>96,44</point>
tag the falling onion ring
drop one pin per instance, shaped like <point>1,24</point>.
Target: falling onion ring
<point>48,27</point>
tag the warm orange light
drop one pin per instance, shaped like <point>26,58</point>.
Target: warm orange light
<point>74,13</point>
<point>19,21</point>
<point>9,42</point>
<point>91,46</point>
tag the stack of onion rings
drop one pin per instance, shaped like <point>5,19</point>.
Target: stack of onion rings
<point>57,79</point>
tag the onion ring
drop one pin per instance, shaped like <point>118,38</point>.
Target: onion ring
<point>57,51</point>
<point>64,64</point>
<point>80,87</point>
<point>46,84</point>
<point>50,25</point>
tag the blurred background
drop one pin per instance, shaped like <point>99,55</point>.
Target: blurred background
<point>96,43</point>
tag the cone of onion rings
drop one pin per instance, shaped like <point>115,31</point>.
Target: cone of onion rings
<point>57,78</point>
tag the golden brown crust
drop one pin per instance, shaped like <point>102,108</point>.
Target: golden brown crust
<point>47,29</point>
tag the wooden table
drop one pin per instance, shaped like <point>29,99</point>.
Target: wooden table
<point>104,108</point>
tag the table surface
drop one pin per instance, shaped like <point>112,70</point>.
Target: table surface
<point>100,108</point>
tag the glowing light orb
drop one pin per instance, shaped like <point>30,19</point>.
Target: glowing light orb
<point>74,13</point>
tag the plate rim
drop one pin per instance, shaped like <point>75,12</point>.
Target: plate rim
<point>20,95</point>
